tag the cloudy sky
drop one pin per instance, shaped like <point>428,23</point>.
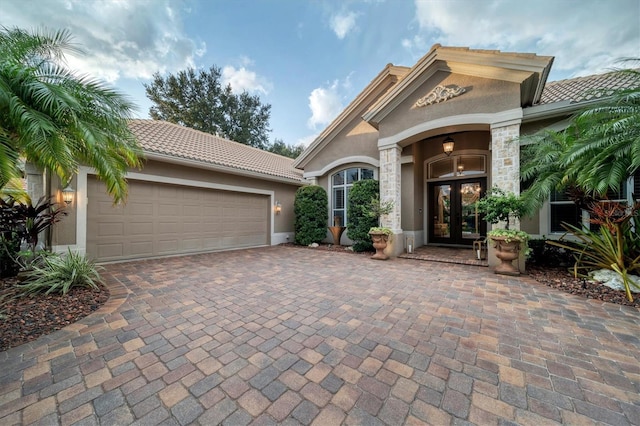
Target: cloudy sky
<point>309,59</point>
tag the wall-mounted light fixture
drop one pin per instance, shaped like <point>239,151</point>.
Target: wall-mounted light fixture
<point>67,194</point>
<point>447,145</point>
<point>460,169</point>
<point>277,207</point>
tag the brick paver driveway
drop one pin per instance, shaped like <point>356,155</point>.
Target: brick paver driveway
<point>296,336</point>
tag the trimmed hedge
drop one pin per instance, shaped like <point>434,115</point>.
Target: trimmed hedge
<point>358,221</point>
<point>311,208</point>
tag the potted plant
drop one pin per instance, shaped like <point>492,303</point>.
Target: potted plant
<point>499,206</point>
<point>379,234</point>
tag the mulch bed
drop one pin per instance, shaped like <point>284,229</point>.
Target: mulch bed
<point>561,279</point>
<point>25,319</point>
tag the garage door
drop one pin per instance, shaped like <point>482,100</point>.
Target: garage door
<point>161,219</point>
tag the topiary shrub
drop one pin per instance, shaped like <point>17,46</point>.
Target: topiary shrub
<point>311,210</point>
<point>359,222</point>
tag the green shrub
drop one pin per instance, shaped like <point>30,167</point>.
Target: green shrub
<point>541,253</point>
<point>311,210</point>
<point>359,222</point>
<point>58,274</point>
<point>22,221</point>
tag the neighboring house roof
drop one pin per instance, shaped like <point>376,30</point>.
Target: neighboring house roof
<point>170,142</point>
<point>587,88</point>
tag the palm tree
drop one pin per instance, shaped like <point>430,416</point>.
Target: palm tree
<point>56,119</point>
<point>598,151</point>
<point>607,149</point>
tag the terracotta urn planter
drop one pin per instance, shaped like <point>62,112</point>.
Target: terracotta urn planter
<point>336,232</point>
<point>507,250</point>
<point>380,240</point>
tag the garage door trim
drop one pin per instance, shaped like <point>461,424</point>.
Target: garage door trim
<point>82,201</point>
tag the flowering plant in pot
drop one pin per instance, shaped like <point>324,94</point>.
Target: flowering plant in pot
<point>499,206</point>
<point>379,234</point>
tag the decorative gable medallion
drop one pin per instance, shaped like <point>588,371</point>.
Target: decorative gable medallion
<point>440,94</point>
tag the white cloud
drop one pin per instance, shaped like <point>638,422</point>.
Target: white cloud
<point>585,36</point>
<point>242,79</point>
<point>325,104</point>
<point>121,39</point>
<point>343,23</point>
<point>306,140</point>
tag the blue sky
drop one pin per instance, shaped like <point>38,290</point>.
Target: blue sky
<point>309,59</point>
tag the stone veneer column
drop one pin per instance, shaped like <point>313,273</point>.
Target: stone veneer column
<point>390,189</point>
<point>505,157</point>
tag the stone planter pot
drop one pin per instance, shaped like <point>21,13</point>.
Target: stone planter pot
<point>507,252</point>
<point>380,240</point>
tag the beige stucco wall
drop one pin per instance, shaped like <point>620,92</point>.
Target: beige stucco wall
<point>481,96</point>
<point>357,139</point>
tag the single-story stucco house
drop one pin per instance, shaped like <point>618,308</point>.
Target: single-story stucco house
<point>435,135</point>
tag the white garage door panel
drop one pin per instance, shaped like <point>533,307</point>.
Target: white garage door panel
<point>161,219</point>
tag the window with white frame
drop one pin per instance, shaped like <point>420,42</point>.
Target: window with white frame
<point>563,210</point>
<point>341,182</point>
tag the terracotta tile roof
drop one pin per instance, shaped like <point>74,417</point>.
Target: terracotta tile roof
<point>162,137</point>
<point>582,89</point>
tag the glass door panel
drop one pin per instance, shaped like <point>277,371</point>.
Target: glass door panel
<point>453,211</point>
<point>469,196</point>
<point>442,211</point>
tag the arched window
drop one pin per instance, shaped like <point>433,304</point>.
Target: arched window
<point>341,182</point>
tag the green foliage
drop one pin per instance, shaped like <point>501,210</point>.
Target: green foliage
<point>500,206</point>
<point>56,119</point>
<point>27,220</point>
<point>197,99</point>
<point>541,253</point>
<point>380,230</point>
<point>509,234</point>
<point>291,151</point>
<point>9,248</point>
<point>22,221</point>
<point>359,220</point>
<point>58,274</point>
<point>376,209</point>
<point>310,208</point>
<point>615,245</point>
<point>598,151</point>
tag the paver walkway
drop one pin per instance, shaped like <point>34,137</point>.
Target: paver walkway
<point>296,336</point>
